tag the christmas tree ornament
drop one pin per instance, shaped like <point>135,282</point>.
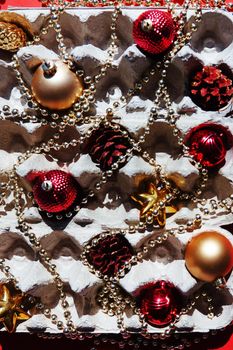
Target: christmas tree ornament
<point>108,145</point>
<point>54,191</point>
<point>154,31</point>
<point>12,37</point>
<point>209,256</point>
<point>208,144</point>
<point>11,310</point>
<point>55,86</point>
<point>154,204</point>
<point>210,88</point>
<point>160,303</point>
<point>110,254</point>
<point>14,31</point>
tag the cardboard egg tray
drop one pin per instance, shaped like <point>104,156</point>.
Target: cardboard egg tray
<point>87,35</point>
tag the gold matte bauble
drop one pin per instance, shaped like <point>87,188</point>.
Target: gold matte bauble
<point>209,256</point>
<point>55,86</point>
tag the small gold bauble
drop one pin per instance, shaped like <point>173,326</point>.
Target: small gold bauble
<point>55,86</point>
<point>12,37</point>
<point>209,256</point>
<point>14,31</point>
<point>19,20</point>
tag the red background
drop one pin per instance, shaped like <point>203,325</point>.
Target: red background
<point>221,341</point>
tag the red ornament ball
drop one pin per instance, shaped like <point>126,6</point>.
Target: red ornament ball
<point>110,254</point>
<point>54,191</point>
<point>154,31</point>
<point>160,303</point>
<point>208,144</point>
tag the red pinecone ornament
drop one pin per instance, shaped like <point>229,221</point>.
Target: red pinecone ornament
<point>154,31</point>
<point>110,254</point>
<point>107,145</point>
<point>208,143</point>
<point>160,303</point>
<point>211,89</point>
<point>54,191</point>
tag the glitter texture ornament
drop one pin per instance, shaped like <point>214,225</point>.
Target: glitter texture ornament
<point>154,31</point>
<point>14,31</point>
<point>55,86</point>
<point>210,88</point>
<point>110,254</point>
<point>209,256</point>
<point>208,144</point>
<point>54,191</point>
<point>160,303</point>
<point>11,37</point>
<point>108,145</point>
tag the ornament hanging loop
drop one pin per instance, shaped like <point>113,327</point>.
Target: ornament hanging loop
<point>220,283</point>
<point>147,25</point>
<point>47,185</point>
<point>49,69</point>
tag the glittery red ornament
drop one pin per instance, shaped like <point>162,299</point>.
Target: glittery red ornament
<point>160,302</point>
<point>110,254</point>
<point>154,31</point>
<point>208,144</point>
<point>210,88</point>
<point>107,145</point>
<point>54,191</point>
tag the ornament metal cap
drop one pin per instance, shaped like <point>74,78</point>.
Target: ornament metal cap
<point>220,283</point>
<point>147,25</point>
<point>47,185</point>
<point>49,68</point>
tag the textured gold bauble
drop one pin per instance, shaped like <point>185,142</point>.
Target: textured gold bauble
<point>209,256</point>
<point>12,37</point>
<point>55,86</point>
<point>19,20</point>
<point>14,31</point>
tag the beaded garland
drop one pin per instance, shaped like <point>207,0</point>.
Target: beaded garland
<point>111,298</point>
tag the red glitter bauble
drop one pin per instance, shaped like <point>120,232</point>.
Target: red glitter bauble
<point>154,31</point>
<point>110,254</point>
<point>160,303</point>
<point>208,144</point>
<point>54,191</point>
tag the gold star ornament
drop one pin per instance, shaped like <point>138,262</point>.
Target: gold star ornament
<point>11,310</point>
<point>154,204</point>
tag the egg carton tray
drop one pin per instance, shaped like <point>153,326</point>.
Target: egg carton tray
<point>87,35</point>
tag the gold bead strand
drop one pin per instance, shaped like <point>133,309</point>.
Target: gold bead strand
<point>44,256</point>
<point>6,271</point>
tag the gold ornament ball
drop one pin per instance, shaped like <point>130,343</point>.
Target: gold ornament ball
<point>15,30</point>
<point>12,37</point>
<point>55,86</point>
<point>209,256</point>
